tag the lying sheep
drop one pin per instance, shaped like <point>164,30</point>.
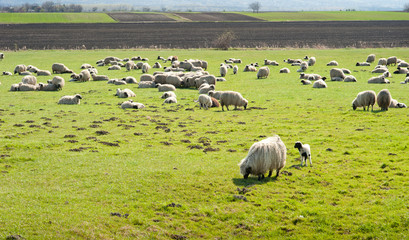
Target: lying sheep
<point>59,68</point>
<point>267,155</point>
<point>384,99</point>
<point>378,79</point>
<point>312,61</point>
<point>403,64</point>
<point>370,58</point>
<point>146,77</point>
<point>400,70</point>
<point>215,103</point>
<point>174,80</point>
<point>305,152</point>
<point>14,87</point>
<point>43,73</point>
<point>249,68</point>
<point>350,78</point>
<point>363,64</point>
<point>396,104</point>
<point>48,87</point>
<point>170,100</point>
<point>70,99</point>
<point>336,73</point>
<point>206,89</point>
<point>114,67</point>
<point>380,69</point>
<point>20,68</point>
<point>58,81</point>
<point>391,61</point>
<point>25,73</point>
<point>29,80</point>
<point>86,65</point>
<point>332,63</point>
<point>132,104</point>
<point>31,68</point>
<point>284,70</point>
<point>305,82</point>
<point>130,80</point>
<point>99,77</point>
<point>168,94</point>
<point>346,71</point>
<point>319,84</point>
<point>165,87</point>
<point>270,62</point>
<point>303,67</point>
<point>204,101</point>
<point>124,93</point>
<point>117,82</point>
<point>157,65</point>
<point>364,99</point>
<point>129,65</point>
<point>232,98</point>
<point>147,84</point>
<point>27,87</point>
<point>83,76</point>
<point>1,56</point>
<point>7,73</point>
<point>263,72</point>
<point>215,94</point>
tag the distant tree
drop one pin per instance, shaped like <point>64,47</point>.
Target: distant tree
<point>255,6</point>
<point>164,9</point>
<point>223,41</point>
<point>146,9</point>
<point>94,9</point>
<point>406,7</point>
<point>48,6</point>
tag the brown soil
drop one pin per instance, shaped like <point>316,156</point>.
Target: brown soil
<point>218,17</point>
<point>140,17</point>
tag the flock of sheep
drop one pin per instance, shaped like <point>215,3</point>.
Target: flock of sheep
<point>263,156</point>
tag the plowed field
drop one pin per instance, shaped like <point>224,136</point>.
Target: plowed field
<point>217,17</point>
<point>139,17</point>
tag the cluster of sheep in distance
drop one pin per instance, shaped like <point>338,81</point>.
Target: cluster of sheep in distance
<point>266,155</point>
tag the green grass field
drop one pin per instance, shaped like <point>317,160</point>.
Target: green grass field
<point>61,179</point>
<point>55,18</point>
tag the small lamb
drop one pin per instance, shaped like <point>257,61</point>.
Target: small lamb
<point>305,152</point>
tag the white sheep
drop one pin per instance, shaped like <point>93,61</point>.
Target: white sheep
<point>249,68</point>
<point>319,84</point>
<point>170,100</point>
<point>174,80</point>
<point>305,82</point>
<point>384,99</point>
<point>146,77</point>
<point>312,61</point>
<point>43,73</point>
<point>263,72</point>
<point>25,73</point>
<point>204,101</point>
<point>14,87</point>
<point>378,79</point>
<point>206,89</point>
<point>99,77</point>
<point>380,69</point>
<point>132,104</point>
<point>235,69</point>
<point>332,63</point>
<point>267,155</point>
<point>31,68</point>
<point>350,78</point>
<point>70,99</point>
<point>215,94</point>
<point>284,70</point>
<point>27,87</point>
<point>60,68</point>
<point>47,87</point>
<point>124,93</point>
<point>20,68</point>
<point>86,65</point>
<point>165,87</point>
<point>364,99</point>
<point>129,65</point>
<point>7,73</point>
<point>363,64</point>
<point>29,80</point>
<point>401,70</point>
<point>305,152</point>
<point>396,104</point>
<point>370,58</point>
<point>382,61</point>
<point>391,61</point>
<point>223,70</point>
<point>147,84</point>
<point>130,80</point>
<point>232,98</point>
<point>145,67</point>
<point>114,67</point>
<point>168,94</point>
<point>336,73</point>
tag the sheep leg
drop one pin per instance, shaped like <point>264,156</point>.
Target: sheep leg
<point>278,172</point>
<point>310,155</point>
<point>270,173</point>
<point>260,177</point>
<point>246,175</point>
<point>304,158</point>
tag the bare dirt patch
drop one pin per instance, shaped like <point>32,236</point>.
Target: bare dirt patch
<point>218,17</point>
<point>140,17</point>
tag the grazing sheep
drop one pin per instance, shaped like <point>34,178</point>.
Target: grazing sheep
<point>384,99</point>
<point>223,70</point>
<point>215,103</point>
<point>130,80</point>
<point>319,84</point>
<point>129,65</point>
<point>364,99</point>
<point>157,65</point>
<point>249,68</point>
<point>147,84</point>
<point>170,100</point>
<point>284,70</point>
<point>70,99</point>
<point>305,152</point>
<point>174,80</point>
<point>312,61</point>
<point>350,78</point>
<point>267,155</point>
<point>232,98</point>
<point>378,79</point>
<point>363,64</point>
<point>114,67</point>
<point>7,73</point>
<point>305,82</point>
<point>168,94</point>
<point>332,63</point>
<point>396,104</point>
<point>145,67</point>
<point>165,87</point>
<point>391,61</point>
<point>370,58</point>
<point>124,93</point>
<point>263,72</point>
<point>215,94</point>
<point>29,80</point>
<point>336,73</point>
<point>132,104</point>
<point>204,101</point>
<point>380,69</point>
<point>59,68</point>
<point>235,69</point>
<point>20,68</point>
<point>382,61</point>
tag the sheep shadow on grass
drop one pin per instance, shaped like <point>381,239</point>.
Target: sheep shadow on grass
<point>253,180</point>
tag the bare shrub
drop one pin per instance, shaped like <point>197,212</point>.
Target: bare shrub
<point>223,41</point>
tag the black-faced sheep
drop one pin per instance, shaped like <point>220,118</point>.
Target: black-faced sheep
<point>284,70</point>
<point>401,70</point>
<point>170,100</point>
<point>132,104</point>
<point>70,99</point>
<point>130,65</point>
<point>350,78</point>
<point>7,73</point>
<point>223,70</point>
<point>249,68</point>
<point>378,79</point>
<point>232,98</point>
<point>363,64</point>
<point>20,68</point>
<point>235,69</point>
<point>124,93</point>
<point>364,99</point>
<point>384,99</point>
<point>305,82</point>
<point>168,94</point>
<point>332,63</point>
<point>305,152</point>
<point>396,104</point>
<point>267,155</point>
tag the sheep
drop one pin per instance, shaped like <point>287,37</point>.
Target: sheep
<point>20,68</point>
<point>403,64</point>
<point>305,152</point>
<point>215,94</point>
<point>215,102</point>
<point>232,98</point>
<point>210,79</point>
<point>319,84</point>
<point>47,87</point>
<point>27,87</point>
<point>400,70</point>
<point>206,89</point>
<point>382,61</point>
<point>129,65</point>
<point>364,99</point>
<point>25,73</point>
<point>370,58</point>
<point>312,61</point>
<point>59,68</point>
<point>130,80</point>
<point>43,73</point>
<point>147,84</point>
<point>391,61</point>
<point>284,70</point>
<point>380,69</point>
<point>70,99</point>
<point>332,63</point>
<point>384,99</point>
<point>174,80</point>
<point>363,64</point>
<point>156,65</point>
<point>249,68</point>
<point>58,81</point>
<point>272,63</point>
<point>266,155</point>
<point>204,101</point>
<point>350,78</point>
<point>146,77</point>
<point>346,71</point>
<point>291,61</point>
<point>396,104</point>
<point>117,82</point>
<point>29,80</point>
<point>33,69</point>
<point>110,59</point>
<point>305,82</point>
<point>168,94</point>
<point>83,76</point>
<point>170,100</point>
<point>336,73</point>
<point>132,104</point>
<point>99,77</point>
<point>165,87</point>
<point>145,67</point>
<point>235,69</point>
<point>378,79</point>
<point>1,56</point>
<point>303,67</point>
<point>124,93</point>
<point>223,70</point>
<point>7,73</point>
<point>114,67</point>
<point>263,72</point>
<point>85,66</point>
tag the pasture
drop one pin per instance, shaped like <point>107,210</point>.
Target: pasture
<point>95,171</point>
<point>23,18</point>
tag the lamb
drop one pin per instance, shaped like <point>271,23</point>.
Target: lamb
<point>378,79</point>
<point>7,73</point>
<point>124,93</point>
<point>364,99</point>
<point>204,101</point>
<point>43,73</point>
<point>305,82</point>
<point>215,94</point>
<point>170,100</point>
<point>272,63</point>
<point>168,94</point>
<point>223,70</point>
<point>59,68</point>
<point>396,104</point>
<point>99,77</point>
<point>114,67</point>
<point>267,155</point>
<point>303,67</point>
<point>284,70</point>
<point>29,80</point>
<point>83,76</point>
<point>20,68</point>
<point>215,103</point>
<point>370,58</point>
<point>165,87</point>
<point>363,64</point>
<point>145,67</point>
<point>336,73</point>
<point>332,63</point>
<point>132,104</point>
<point>232,98</point>
<point>263,72</point>
<point>319,84</point>
<point>391,61</point>
<point>384,99</point>
<point>350,78</point>
<point>206,89</point>
<point>312,61</point>
<point>305,152</point>
<point>235,69</point>
<point>70,99</point>
<point>382,61</point>
<point>147,84</point>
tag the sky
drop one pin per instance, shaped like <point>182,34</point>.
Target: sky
<point>238,5</point>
